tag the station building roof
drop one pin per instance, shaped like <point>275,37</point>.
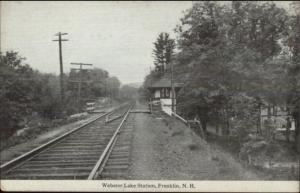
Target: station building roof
<point>165,83</point>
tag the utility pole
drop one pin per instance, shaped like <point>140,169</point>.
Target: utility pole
<point>59,34</point>
<point>105,88</point>
<point>80,79</point>
<point>172,88</point>
<point>110,95</point>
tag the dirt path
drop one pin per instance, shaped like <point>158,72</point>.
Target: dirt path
<point>163,151</point>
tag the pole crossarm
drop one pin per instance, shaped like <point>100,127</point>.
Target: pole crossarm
<point>60,33</point>
<point>78,81</point>
<point>80,69</point>
<point>60,40</point>
<point>73,63</point>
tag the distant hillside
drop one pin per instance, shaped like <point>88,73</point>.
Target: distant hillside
<point>134,84</point>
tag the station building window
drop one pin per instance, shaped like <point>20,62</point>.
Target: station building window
<point>165,93</point>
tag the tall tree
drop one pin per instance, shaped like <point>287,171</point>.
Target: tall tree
<point>22,91</point>
<point>202,47</point>
<point>223,46</point>
<point>163,51</point>
<point>293,75</point>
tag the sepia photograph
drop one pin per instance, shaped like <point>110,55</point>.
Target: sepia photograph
<point>159,96</point>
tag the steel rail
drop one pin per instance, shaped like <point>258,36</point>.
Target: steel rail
<point>108,148</point>
<point>28,155</point>
<point>113,119</point>
<point>118,117</point>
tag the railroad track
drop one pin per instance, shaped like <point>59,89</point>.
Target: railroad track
<point>117,161</point>
<point>83,153</point>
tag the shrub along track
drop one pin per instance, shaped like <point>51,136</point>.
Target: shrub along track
<point>77,154</point>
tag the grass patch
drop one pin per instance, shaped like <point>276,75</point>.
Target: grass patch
<point>215,158</point>
<point>34,131</point>
<point>177,133</point>
<point>193,147</point>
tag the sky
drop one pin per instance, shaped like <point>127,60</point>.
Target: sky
<point>115,36</point>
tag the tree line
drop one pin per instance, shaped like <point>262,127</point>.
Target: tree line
<point>25,91</point>
<point>236,59</point>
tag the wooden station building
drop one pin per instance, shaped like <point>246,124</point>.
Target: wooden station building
<point>161,91</point>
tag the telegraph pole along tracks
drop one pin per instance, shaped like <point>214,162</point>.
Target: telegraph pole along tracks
<point>82,153</point>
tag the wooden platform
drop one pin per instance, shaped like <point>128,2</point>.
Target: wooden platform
<point>140,111</point>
